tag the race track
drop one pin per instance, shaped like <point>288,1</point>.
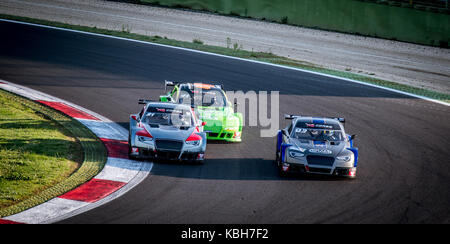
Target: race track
<point>403,170</point>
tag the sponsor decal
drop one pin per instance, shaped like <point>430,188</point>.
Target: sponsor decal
<point>322,151</point>
<point>203,86</point>
<point>301,130</point>
<point>322,126</point>
<point>320,144</point>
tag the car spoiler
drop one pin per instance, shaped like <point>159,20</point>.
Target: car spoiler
<point>342,120</point>
<point>170,83</point>
<point>144,101</point>
<point>290,116</point>
<point>175,83</point>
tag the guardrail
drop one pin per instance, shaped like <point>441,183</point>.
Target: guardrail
<point>361,17</point>
<point>440,6</point>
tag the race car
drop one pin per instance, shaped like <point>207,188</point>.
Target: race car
<point>316,145</point>
<point>211,105</point>
<point>166,131</point>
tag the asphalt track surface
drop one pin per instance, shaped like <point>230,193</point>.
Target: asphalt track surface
<point>403,170</point>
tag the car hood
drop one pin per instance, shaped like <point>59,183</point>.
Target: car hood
<point>169,132</point>
<point>212,113</point>
<point>320,148</point>
<point>217,118</point>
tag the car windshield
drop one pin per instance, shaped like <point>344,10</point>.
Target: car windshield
<point>169,117</point>
<point>317,132</point>
<point>211,97</point>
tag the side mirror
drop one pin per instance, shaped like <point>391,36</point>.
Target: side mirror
<point>352,137</point>
<point>284,132</point>
<point>134,117</point>
<point>203,123</point>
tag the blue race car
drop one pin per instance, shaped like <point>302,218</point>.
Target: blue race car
<point>316,145</point>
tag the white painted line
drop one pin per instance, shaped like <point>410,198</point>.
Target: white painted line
<point>25,92</point>
<point>118,169</point>
<point>106,130</point>
<point>46,211</point>
<point>236,58</point>
<point>140,176</point>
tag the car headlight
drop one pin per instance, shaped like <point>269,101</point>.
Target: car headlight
<point>193,143</point>
<point>145,139</point>
<point>296,154</point>
<point>344,158</point>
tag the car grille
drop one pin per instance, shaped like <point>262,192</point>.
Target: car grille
<point>168,145</point>
<point>221,135</point>
<point>297,168</point>
<point>213,134</point>
<point>319,170</point>
<point>320,160</point>
<point>170,155</point>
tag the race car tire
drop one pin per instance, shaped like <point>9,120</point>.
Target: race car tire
<point>277,156</point>
<point>129,150</point>
<point>281,173</point>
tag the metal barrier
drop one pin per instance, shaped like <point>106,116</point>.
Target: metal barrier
<point>427,5</point>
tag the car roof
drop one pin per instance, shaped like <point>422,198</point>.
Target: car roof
<point>168,105</point>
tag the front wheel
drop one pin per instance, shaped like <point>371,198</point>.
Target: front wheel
<point>281,173</point>
<point>277,154</point>
<point>129,150</point>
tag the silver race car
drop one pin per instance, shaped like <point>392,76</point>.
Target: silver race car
<point>166,131</point>
<point>316,145</point>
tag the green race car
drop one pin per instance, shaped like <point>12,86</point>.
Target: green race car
<point>211,105</point>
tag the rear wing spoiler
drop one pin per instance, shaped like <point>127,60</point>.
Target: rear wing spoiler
<point>342,120</point>
<point>170,83</point>
<point>290,116</point>
<point>144,101</point>
<point>221,86</point>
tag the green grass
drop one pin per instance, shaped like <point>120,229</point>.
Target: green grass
<point>35,152</point>
<point>43,154</point>
<point>236,50</point>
